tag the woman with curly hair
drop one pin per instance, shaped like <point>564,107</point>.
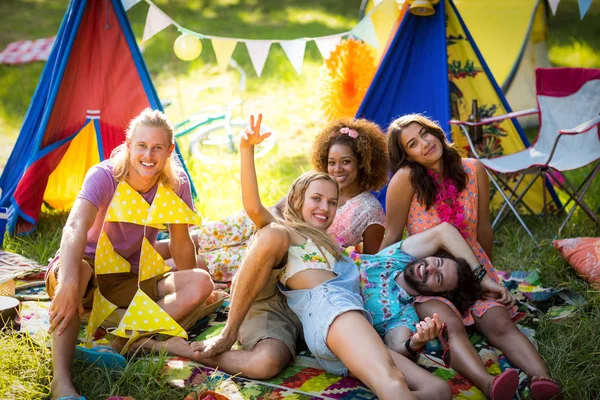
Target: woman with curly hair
<point>354,152</point>
<point>431,185</point>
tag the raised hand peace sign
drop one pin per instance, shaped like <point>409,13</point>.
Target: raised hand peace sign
<point>251,135</point>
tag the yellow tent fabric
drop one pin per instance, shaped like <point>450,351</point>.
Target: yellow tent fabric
<point>468,81</point>
<point>65,181</point>
<point>500,30</point>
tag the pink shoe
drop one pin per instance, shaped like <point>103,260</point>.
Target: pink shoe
<point>544,390</point>
<point>505,385</point>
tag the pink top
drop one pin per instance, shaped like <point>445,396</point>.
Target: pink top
<point>99,188</point>
<point>420,219</point>
<point>353,218</point>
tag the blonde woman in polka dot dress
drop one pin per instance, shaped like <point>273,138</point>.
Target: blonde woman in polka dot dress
<point>433,184</point>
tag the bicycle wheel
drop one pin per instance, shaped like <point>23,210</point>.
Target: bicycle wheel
<point>218,143</point>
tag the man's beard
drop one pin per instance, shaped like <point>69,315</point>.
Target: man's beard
<point>413,281</point>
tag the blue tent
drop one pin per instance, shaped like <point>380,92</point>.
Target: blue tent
<point>94,82</point>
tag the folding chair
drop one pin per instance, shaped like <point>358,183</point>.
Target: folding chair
<point>568,139</point>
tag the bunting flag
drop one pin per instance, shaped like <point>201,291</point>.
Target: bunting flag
<point>223,50</point>
<point>108,261</point>
<point>328,44</point>
<point>129,206</point>
<point>144,315</point>
<point>258,50</point>
<point>553,5</point>
<point>153,264</point>
<point>156,21</point>
<point>584,6</point>
<point>294,50</point>
<point>366,32</point>
<point>168,208</point>
<point>101,309</point>
<point>127,4</point>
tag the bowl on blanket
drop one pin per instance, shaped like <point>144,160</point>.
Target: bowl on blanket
<point>8,310</point>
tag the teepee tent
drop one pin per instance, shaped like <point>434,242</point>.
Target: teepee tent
<point>94,82</point>
<point>432,66</point>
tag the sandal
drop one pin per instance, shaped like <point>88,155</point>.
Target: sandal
<point>544,390</point>
<point>103,355</point>
<point>505,385</point>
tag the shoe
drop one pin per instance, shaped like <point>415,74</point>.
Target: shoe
<point>103,355</point>
<point>544,390</point>
<point>505,385</point>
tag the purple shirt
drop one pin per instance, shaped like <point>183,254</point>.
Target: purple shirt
<point>99,188</point>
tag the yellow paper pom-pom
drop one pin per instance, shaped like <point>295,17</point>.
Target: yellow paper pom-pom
<point>345,78</point>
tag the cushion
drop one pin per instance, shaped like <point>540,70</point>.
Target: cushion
<point>583,254</point>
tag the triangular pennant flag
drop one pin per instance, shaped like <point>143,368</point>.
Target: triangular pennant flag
<point>366,32</point>
<point>327,44</point>
<point>101,309</point>
<point>128,205</point>
<point>144,315</point>
<point>377,2</point>
<point>151,263</point>
<point>108,261</point>
<point>553,5</point>
<point>168,208</point>
<point>127,4</point>
<point>294,50</point>
<point>584,6</point>
<point>258,50</point>
<point>384,17</point>
<point>156,21</point>
<point>223,50</point>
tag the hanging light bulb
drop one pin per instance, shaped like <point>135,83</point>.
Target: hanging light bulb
<point>422,8</point>
<point>187,47</point>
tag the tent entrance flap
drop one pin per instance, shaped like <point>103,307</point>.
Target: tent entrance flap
<point>65,181</point>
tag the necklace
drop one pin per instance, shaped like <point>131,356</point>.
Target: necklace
<point>447,205</point>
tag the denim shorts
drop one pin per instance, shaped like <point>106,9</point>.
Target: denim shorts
<point>324,304</point>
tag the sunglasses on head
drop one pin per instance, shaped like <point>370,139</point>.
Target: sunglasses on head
<point>443,338</point>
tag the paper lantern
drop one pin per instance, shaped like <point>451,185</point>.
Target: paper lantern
<point>187,47</point>
<point>345,78</point>
<point>422,8</point>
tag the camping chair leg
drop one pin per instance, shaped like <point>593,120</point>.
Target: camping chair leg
<point>514,191</point>
<point>511,207</point>
<point>579,199</point>
<point>524,192</point>
<point>501,214</point>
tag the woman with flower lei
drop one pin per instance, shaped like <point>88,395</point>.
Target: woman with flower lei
<point>433,184</point>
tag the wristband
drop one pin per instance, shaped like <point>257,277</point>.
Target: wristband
<point>410,350</point>
<point>479,273</point>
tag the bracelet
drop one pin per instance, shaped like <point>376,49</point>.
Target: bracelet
<point>479,273</point>
<point>410,350</point>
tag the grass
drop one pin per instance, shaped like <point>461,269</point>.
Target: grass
<point>289,103</point>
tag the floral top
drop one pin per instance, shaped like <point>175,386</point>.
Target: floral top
<point>354,217</point>
<point>306,256</point>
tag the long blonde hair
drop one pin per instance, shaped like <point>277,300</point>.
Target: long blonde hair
<point>173,174</point>
<point>292,214</point>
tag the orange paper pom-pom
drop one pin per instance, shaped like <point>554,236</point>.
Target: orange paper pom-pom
<point>345,78</point>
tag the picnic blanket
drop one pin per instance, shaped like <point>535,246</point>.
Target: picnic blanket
<point>25,51</point>
<point>305,380</point>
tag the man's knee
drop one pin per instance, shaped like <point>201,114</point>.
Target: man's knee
<point>268,359</point>
<point>274,238</point>
<point>201,283</point>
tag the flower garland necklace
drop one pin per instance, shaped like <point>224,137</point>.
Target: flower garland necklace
<point>447,205</point>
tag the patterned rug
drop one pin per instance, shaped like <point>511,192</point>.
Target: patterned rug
<point>305,380</point>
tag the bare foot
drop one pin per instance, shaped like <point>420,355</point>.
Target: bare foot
<point>213,346</point>
<point>62,389</point>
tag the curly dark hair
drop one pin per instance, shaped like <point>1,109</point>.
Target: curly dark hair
<point>467,289</point>
<point>424,185</point>
<point>369,148</point>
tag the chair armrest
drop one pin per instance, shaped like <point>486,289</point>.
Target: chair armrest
<point>514,114</point>
<point>581,128</point>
